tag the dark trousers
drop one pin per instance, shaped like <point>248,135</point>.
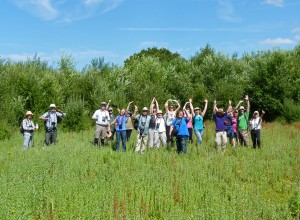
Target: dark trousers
<point>255,136</point>
<point>191,134</point>
<point>169,138</point>
<point>51,135</point>
<point>128,134</point>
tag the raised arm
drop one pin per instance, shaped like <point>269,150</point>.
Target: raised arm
<point>236,107</point>
<point>156,103</point>
<point>107,106</point>
<point>248,103</point>
<point>205,107</point>
<point>166,106</point>
<point>215,109</point>
<point>135,111</point>
<point>177,105</point>
<point>192,108</point>
<point>229,106</point>
<point>151,106</point>
<point>128,106</point>
<point>262,114</point>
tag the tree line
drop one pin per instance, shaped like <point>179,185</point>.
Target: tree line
<point>270,78</point>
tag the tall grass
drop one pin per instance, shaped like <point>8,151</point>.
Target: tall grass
<point>74,179</point>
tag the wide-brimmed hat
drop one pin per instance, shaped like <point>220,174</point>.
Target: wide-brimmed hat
<point>242,108</point>
<point>145,109</point>
<point>197,108</point>
<point>28,113</point>
<point>103,103</point>
<point>255,112</point>
<point>52,106</point>
<point>159,112</point>
<point>110,109</point>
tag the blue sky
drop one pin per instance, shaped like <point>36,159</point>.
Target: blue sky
<point>116,29</point>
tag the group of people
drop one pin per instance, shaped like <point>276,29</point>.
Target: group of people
<point>155,128</point>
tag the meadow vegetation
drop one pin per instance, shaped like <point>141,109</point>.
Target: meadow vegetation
<point>74,179</point>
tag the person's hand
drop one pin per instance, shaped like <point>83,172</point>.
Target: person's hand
<point>190,100</point>
<point>246,97</point>
<point>229,102</point>
<point>241,101</point>
<point>263,112</point>
<point>215,102</point>
<point>205,100</point>
<point>130,102</point>
<point>109,100</point>
<point>135,108</point>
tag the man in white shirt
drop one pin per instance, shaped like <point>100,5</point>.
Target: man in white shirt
<point>101,116</point>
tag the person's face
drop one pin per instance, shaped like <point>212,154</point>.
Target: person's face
<point>180,114</point>
<point>52,109</point>
<point>122,112</point>
<point>145,112</point>
<point>236,114</point>
<point>255,115</point>
<point>172,108</point>
<point>188,110</point>
<point>110,112</point>
<point>154,110</point>
<point>103,107</point>
<point>197,111</point>
<point>242,111</point>
<point>220,114</point>
<point>159,115</point>
<point>29,116</point>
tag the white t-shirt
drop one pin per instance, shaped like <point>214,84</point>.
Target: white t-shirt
<point>170,117</point>
<point>160,125</point>
<point>255,123</point>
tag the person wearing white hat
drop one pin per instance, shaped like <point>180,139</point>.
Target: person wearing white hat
<point>102,118</point>
<point>242,123</point>
<point>170,116</point>
<point>142,129</point>
<point>28,128</point>
<point>255,125</point>
<point>160,130</point>
<point>153,110</point>
<point>50,122</point>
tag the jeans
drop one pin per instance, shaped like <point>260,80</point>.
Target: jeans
<point>199,134</point>
<point>28,138</point>
<point>121,135</point>
<point>181,142</point>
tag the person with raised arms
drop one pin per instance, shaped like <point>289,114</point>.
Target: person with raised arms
<point>160,130</point>
<point>198,120</point>
<point>242,125</point>
<point>221,128</point>
<point>169,117</point>
<point>142,129</point>
<point>190,123</point>
<point>180,130</point>
<point>255,125</point>
<point>153,110</point>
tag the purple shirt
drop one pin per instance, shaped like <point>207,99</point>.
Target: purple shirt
<point>220,122</point>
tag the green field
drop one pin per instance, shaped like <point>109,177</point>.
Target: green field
<point>75,180</point>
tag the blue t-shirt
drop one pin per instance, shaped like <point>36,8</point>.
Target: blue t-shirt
<point>220,122</point>
<point>181,125</point>
<point>198,122</point>
<point>121,123</point>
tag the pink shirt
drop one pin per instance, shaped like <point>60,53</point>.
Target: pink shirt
<point>190,123</point>
<point>233,121</point>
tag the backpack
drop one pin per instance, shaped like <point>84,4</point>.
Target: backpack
<point>21,128</point>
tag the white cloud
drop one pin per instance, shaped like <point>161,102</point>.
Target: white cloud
<point>41,8</point>
<point>67,10</point>
<point>277,41</point>
<point>226,11</point>
<point>296,30</point>
<point>297,37</point>
<point>276,3</point>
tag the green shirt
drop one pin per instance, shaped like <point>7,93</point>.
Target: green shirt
<point>243,121</point>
